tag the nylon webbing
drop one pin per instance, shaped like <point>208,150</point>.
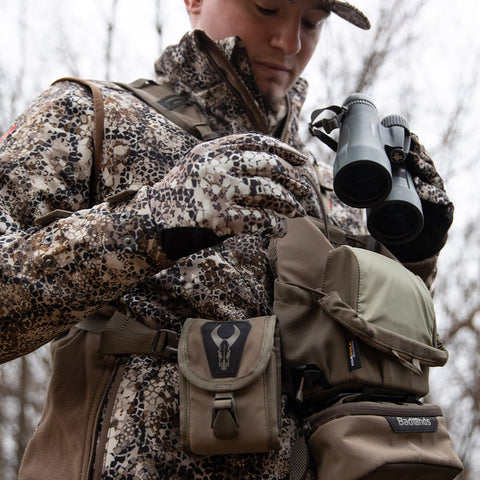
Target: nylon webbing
<point>172,106</point>
<point>121,335</point>
<point>299,457</point>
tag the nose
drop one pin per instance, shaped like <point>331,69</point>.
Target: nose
<point>286,37</point>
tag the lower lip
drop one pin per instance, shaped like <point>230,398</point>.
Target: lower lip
<point>272,69</point>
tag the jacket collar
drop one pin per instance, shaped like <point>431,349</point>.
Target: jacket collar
<point>218,77</point>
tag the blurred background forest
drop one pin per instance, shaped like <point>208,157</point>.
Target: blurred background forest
<point>421,59</point>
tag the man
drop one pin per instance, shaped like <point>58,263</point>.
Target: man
<point>179,228</point>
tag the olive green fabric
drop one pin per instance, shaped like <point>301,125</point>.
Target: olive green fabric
<point>379,303</point>
<point>354,313</point>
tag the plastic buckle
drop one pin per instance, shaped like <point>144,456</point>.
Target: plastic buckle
<point>224,416</point>
<point>165,344</point>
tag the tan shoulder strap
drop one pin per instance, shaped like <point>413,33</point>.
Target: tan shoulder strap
<point>173,106</point>
<point>98,134</point>
<point>122,335</point>
<point>160,97</point>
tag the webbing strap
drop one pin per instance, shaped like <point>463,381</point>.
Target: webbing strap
<point>300,456</point>
<point>121,335</point>
<point>98,134</point>
<point>172,106</point>
<point>328,124</point>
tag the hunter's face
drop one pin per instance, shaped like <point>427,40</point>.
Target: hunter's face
<point>280,35</point>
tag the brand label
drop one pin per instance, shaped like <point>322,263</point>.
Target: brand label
<point>413,424</point>
<point>353,354</point>
<point>223,343</point>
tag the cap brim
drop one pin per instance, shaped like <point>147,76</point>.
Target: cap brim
<point>350,14</point>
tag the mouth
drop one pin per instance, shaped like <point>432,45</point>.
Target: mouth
<point>273,67</point>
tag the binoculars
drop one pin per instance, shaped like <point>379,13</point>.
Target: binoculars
<point>369,169</point>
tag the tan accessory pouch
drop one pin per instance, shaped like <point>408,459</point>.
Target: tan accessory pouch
<point>380,440</point>
<point>230,386</point>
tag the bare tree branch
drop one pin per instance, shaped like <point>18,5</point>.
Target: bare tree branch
<point>111,24</point>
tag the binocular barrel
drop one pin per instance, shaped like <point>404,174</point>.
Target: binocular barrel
<point>361,171</point>
<point>399,218</point>
<point>369,170</point>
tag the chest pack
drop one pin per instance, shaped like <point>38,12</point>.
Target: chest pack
<point>352,318</point>
<point>358,336</point>
<point>351,339</point>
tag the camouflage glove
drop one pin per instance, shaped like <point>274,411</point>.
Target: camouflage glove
<point>236,184</point>
<point>437,208</point>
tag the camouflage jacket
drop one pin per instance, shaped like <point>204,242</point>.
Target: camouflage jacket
<point>62,261</point>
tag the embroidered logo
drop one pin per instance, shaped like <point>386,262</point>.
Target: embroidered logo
<point>171,102</point>
<point>224,343</point>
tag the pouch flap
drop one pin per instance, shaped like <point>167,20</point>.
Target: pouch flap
<point>386,340</point>
<point>382,292</point>
<point>225,356</point>
<point>300,256</point>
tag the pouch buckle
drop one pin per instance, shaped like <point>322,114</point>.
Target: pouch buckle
<point>224,416</point>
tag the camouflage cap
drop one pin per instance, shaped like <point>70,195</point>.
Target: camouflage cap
<point>348,12</point>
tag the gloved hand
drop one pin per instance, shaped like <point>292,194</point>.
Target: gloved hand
<point>437,207</point>
<point>236,184</point>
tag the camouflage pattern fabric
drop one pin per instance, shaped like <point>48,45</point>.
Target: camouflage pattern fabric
<point>57,270</point>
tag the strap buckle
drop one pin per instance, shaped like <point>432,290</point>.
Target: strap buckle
<point>305,377</point>
<point>165,344</point>
<point>224,416</point>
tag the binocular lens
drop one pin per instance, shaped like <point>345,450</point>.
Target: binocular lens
<point>362,184</point>
<point>395,222</point>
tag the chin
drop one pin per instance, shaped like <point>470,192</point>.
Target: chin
<point>273,95</point>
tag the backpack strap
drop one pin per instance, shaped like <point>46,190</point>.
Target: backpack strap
<point>160,97</point>
<point>175,107</point>
<point>98,134</point>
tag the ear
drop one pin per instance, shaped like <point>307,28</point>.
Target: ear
<point>193,6</point>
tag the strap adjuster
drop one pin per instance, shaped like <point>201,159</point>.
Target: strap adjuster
<point>165,344</point>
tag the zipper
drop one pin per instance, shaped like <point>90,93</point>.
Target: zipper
<point>109,389</point>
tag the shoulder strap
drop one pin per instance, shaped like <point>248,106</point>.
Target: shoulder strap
<point>173,106</point>
<point>98,134</point>
<point>160,97</point>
